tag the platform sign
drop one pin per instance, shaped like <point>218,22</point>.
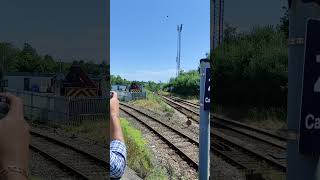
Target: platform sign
<point>309,141</point>
<point>207,94</point>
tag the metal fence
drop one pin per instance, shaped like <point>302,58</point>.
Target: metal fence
<point>52,109</point>
<point>129,96</point>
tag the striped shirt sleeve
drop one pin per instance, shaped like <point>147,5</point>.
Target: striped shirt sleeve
<point>118,155</point>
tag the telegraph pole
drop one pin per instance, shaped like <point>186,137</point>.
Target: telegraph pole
<point>300,165</point>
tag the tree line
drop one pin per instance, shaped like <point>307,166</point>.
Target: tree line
<point>150,85</point>
<point>27,59</point>
<point>251,68</point>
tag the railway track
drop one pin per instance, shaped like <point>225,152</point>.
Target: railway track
<point>195,107</point>
<point>79,162</point>
<point>263,145</point>
<point>188,147</point>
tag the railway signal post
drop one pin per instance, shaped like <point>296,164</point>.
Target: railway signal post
<point>304,90</point>
<point>205,101</point>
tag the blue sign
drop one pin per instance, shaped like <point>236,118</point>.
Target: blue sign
<point>310,107</point>
<point>207,94</point>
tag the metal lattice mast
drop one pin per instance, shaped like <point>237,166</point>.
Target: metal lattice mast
<point>179,29</point>
<point>218,16</point>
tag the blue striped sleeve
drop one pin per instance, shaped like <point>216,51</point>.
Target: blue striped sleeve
<point>118,155</point>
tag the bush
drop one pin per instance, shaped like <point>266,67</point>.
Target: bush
<point>251,69</point>
<point>187,83</point>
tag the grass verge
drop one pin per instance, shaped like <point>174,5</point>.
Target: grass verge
<point>153,102</point>
<point>96,130</point>
<point>274,119</point>
<point>194,99</point>
<point>139,155</point>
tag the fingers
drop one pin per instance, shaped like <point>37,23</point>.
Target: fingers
<point>114,94</point>
<point>16,106</point>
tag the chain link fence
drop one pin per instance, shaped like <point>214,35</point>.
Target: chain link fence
<point>129,96</point>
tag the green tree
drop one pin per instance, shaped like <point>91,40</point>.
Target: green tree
<point>28,60</point>
<point>8,56</point>
<point>284,22</point>
<point>118,80</point>
<point>187,83</point>
<point>252,69</point>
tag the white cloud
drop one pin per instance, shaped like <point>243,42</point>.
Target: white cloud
<point>149,75</point>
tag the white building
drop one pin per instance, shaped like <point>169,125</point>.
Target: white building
<point>37,82</point>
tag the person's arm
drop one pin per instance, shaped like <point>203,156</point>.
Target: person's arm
<point>115,127</point>
<point>118,151</point>
<point>14,141</point>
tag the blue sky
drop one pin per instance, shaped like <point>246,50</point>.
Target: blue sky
<point>144,39</point>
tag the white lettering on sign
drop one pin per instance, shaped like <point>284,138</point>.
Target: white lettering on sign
<point>311,122</point>
<point>207,100</point>
<point>316,87</point>
<point>318,58</point>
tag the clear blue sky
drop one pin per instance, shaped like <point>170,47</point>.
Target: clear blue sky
<point>144,40</point>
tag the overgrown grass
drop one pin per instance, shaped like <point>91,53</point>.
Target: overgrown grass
<point>96,130</point>
<point>274,175</point>
<point>154,103</point>
<point>139,156</point>
<point>158,174</point>
<point>272,118</point>
<point>194,99</point>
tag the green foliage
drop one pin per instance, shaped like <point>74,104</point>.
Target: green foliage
<point>8,56</point>
<point>187,83</point>
<point>139,156</point>
<point>95,130</point>
<point>118,80</point>
<point>28,60</point>
<point>284,22</point>
<point>154,103</point>
<point>152,86</point>
<point>251,69</point>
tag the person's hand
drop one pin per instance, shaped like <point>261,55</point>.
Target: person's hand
<point>14,135</point>
<point>114,106</point>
